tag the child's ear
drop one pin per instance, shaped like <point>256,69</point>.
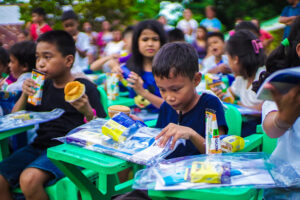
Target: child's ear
<point>69,60</point>
<point>298,49</point>
<point>197,78</point>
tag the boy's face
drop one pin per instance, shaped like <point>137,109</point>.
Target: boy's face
<point>71,26</point>
<point>117,35</point>
<point>179,92</point>
<point>216,45</point>
<point>36,18</point>
<point>51,62</point>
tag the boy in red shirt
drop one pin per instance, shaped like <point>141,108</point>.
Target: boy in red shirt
<point>38,26</point>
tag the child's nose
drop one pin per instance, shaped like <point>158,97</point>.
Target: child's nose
<point>40,63</point>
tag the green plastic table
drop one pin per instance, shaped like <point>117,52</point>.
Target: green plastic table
<point>226,193</point>
<point>4,135</point>
<point>68,157</point>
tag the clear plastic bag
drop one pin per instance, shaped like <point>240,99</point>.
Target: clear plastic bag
<point>246,169</point>
<point>139,147</point>
<point>26,118</point>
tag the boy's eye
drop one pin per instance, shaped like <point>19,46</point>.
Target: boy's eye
<point>162,90</point>
<point>175,89</point>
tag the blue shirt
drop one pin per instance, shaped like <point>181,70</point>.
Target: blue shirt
<point>194,119</point>
<point>289,11</point>
<point>150,85</point>
<point>211,23</point>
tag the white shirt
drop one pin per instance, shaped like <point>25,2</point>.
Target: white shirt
<point>210,62</point>
<point>83,44</point>
<point>113,48</point>
<point>247,95</point>
<point>17,86</point>
<point>185,25</point>
<point>287,149</point>
<point>288,145</point>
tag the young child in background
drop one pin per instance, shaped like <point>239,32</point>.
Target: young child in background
<point>218,61</point>
<point>200,42</point>
<point>182,115</point>
<point>246,58</point>
<point>114,62</point>
<point>82,41</point>
<point>22,61</point>
<point>4,60</point>
<point>55,52</point>
<point>148,37</point>
<point>281,117</point>
<point>211,23</point>
<point>38,26</point>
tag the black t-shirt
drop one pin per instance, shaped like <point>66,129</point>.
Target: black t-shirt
<point>54,98</point>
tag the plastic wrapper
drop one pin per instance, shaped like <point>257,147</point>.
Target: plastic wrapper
<point>139,145</point>
<point>231,169</point>
<point>26,118</point>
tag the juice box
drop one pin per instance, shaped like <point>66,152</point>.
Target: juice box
<point>39,79</point>
<point>212,137</point>
<point>112,87</point>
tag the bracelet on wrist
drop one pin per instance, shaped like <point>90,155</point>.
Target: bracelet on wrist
<point>94,116</point>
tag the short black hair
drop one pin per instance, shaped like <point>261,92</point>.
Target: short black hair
<point>40,11</point>
<point>180,58</point>
<point>24,52</point>
<point>175,35</point>
<point>64,41</point>
<point>70,14</point>
<point>4,57</point>
<point>128,29</point>
<point>215,34</point>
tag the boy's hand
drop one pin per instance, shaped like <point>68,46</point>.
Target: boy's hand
<point>136,83</point>
<point>136,118</point>
<point>218,92</point>
<point>83,106</point>
<point>175,131</point>
<point>288,104</point>
<point>28,87</point>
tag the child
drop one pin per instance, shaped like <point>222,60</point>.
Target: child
<point>246,58</point>
<point>211,22</point>
<point>281,117</point>
<point>175,35</point>
<point>148,37</point>
<point>22,61</point>
<point>70,24</point>
<point>55,55</point>
<point>200,42</point>
<point>38,26</point>
<point>217,62</point>
<point>182,115</point>
<point>4,60</point>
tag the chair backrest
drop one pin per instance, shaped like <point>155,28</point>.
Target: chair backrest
<point>103,98</point>
<point>269,144</point>
<point>234,120</point>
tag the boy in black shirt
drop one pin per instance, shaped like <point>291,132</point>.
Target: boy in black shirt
<point>55,55</point>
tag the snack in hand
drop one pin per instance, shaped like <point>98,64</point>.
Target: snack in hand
<point>73,91</point>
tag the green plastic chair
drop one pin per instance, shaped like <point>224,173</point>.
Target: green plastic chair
<point>234,120</point>
<point>104,100</point>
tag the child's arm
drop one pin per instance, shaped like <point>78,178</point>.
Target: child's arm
<point>27,90</point>
<point>136,82</point>
<point>278,122</point>
<point>177,132</point>
<point>83,106</point>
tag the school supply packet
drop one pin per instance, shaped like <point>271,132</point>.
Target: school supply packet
<point>25,118</point>
<point>133,141</point>
<point>219,170</point>
<point>282,80</point>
